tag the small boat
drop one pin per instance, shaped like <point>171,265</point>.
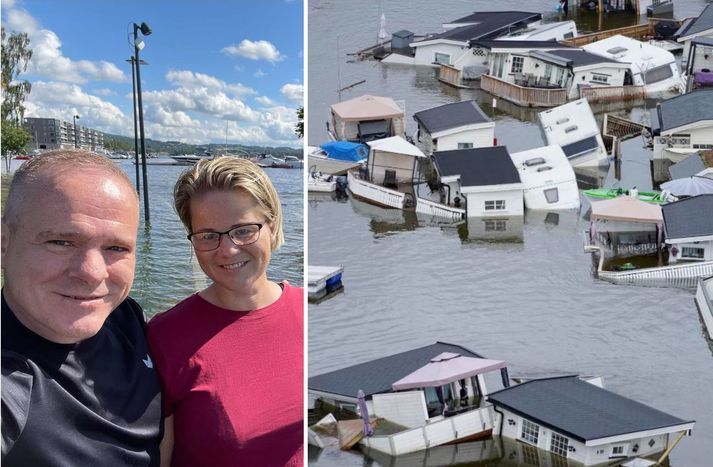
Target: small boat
<point>293,162</point>
<point>611,193</point>
<point>337,157</point>
<point>320,183</point>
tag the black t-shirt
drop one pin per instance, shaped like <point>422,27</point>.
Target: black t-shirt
<point>94,403</point>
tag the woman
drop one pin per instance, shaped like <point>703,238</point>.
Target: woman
<point>230,357</point>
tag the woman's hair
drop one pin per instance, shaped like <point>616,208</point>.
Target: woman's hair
<point>229,173</point>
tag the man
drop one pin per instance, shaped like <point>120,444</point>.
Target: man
<point>78,385</point>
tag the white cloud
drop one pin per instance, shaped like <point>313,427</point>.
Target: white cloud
<point>105,92</point>
<point>264,100</point>
<point>255,50</point>
<point>259,74</point>
<point>293,92</point>
<point>202,100</point>
<point>189,79</point>
<point>47,57</point>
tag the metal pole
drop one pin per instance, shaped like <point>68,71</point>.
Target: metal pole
<point>136,132</point>
<point>141,127</point>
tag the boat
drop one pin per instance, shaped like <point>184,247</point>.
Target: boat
<point>294,162</point>
<point>658,197</point>
<point>320,183</point>
<point>336,157</point>
<point>268,160</point>
<point>324,282</point>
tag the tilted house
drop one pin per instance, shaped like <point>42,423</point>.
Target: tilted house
<point>461,125</point>
<point>683,125</point>
<point>697,29</point>
<point>689,228</point>
<point>582,422</point>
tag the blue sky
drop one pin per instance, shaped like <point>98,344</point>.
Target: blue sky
<point>209,62</point>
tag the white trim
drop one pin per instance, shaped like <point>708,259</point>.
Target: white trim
<point>491,188</point>
<point>627,437</point>
<point>334,396</point>
<point>437,42</point>
<point>705,32</point>
<point>699,124</point>
<point>673,241</point>
<point>458,129</point>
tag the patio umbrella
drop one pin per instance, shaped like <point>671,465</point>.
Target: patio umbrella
<point>446,368</point>
<point>689,186</point>
<point>368,430</point>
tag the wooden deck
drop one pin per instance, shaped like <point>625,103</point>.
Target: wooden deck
<point>523,96</point>
<point>612,93</point>
<point>450,75</point>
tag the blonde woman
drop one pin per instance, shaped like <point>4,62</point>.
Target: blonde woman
<point>230,357</point>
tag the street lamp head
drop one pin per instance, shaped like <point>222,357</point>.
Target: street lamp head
<point>145,29</point>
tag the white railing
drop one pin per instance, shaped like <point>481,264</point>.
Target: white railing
<point>379,195</point>
<point>704,302</point>
<point>439,210</point>
<point>446,430</point>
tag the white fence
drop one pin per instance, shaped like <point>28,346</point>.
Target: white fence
<point>377,194</point>
<point>434,209</point>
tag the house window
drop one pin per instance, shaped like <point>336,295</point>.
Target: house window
<point>559,444</point>
<point>657,74</point>
<point>498,225</point>
<point>552,195</point>
<point>548,72</point>
<point>703,146</point>
<point>599,78</point>
<point>530,432</point>
<point>495,205</point>
<point>560,76</point>
<point>618,451</point>
<point>517,64</point>
<point>442,58</point>
<point>692,252</point>
<point>465,145</point>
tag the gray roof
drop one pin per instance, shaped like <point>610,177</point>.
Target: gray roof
<point>488,24</point>
<point>579,409</point>
<point>688,167</point>
<point>530,45</point>
<point>445,117</point>
<point>689,217</point>
<point>685,109</point>
<point>477,166</point>
<point>377,376</point>
<point>700,24</point>
<point>580,57</point>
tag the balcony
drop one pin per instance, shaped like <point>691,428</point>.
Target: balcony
<point>521,95</point>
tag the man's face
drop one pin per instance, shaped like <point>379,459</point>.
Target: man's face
<point>70,259</point>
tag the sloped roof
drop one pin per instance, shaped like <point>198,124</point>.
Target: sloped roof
<point>396,144</point>
<point>477,166</point>
<point>486,24</point>
<point>626,209</point>
<point>689,217</point>
<point>688,167</point>
<point>368,107</point>
<point>704,22</point>
<point>522,44</point>
<point>581,57</point>
<point>581,410</point>
<point>445,117</point>
<point>377,376</point>
<point>685,109</point>
<point>497,16</point>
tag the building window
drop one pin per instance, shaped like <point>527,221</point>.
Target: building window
<point>692,252</point>
<point>495,205</point>
<point>442,58</point>
<point>517,64</point>
<point>560,76</point>
<point>559,444</point>
<point>552,195</point>
<point>703,146</point>
<point>498,225</point>
<point>618,451</point>
<point>598,78</point>
<point>530,432</point>
<point>465,145</point>
<point>548,72</point>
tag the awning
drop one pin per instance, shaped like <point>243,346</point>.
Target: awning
<point>446,368</point>
<point>367,108</point>
<point>396,144</point>
<point>627,209</point>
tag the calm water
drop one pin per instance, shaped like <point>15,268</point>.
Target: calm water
<point>166,269</point>
<point>530,299</point>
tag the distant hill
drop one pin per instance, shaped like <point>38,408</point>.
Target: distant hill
<point>126,143</point>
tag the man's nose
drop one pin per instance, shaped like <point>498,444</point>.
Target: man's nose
<point>89,266</point>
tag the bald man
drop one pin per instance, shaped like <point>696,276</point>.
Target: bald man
<point>78,384</point>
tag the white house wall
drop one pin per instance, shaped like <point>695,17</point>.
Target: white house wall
<point>405,408</point>
<point>616,78</point>
<point>476,197</point>
<point>402,164</point>
<point>426,54</point>
<point>479,138</point>
<point>707,251</point>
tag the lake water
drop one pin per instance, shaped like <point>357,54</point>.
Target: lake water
<point>530,299</point>
<point>166,269</point>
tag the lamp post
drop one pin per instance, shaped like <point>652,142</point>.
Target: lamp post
<point>138,45</point>
<point>132,60</point>
<point>76,138</point>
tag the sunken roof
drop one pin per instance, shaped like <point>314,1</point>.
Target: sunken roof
<point>704,22</point>
<point>523,44</point>
<point>377,376</point>
<point>580,57</point>
<point>445,117</point>
<point>487,24</point>
<point>579,409</point>
<point>685,109</point>
<point>689,217</point>
<point>477,166</point>
<point>688,167</point>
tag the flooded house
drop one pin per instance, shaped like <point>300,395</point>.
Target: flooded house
<point>688,224</point>
<point>695,29</point>
<point>584,423</point>
<point>649,66</point>
<point>484,180</point>
<point>683,125</point>
<point>366,118</point>
<point>460,125</point>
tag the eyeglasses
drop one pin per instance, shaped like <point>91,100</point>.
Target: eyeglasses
<point>240,235</point>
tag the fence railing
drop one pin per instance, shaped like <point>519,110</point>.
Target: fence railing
<point>524,96</point>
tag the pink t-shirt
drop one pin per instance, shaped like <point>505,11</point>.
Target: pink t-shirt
<point>233,381</point>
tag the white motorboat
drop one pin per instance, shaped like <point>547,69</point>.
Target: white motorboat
<point>319,160</point>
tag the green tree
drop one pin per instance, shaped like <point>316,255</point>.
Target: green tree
<point>300,127</point>
<point>14,138</point>
<point>16,55</point>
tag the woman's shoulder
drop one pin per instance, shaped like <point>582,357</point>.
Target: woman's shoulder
<point>176,315</point>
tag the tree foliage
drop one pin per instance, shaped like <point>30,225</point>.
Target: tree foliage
<point>300,127</point>
<point>14,138</point>
<point>16,55</point>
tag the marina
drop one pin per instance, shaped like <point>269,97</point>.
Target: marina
<point>520,286</point>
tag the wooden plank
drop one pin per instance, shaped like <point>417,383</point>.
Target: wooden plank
<point>351,432</point>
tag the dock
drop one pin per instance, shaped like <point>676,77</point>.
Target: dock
<point>323,282</point>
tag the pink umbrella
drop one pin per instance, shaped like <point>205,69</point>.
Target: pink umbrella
<point>446,368</point>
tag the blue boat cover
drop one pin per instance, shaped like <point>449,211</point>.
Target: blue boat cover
<point>346,151</point>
